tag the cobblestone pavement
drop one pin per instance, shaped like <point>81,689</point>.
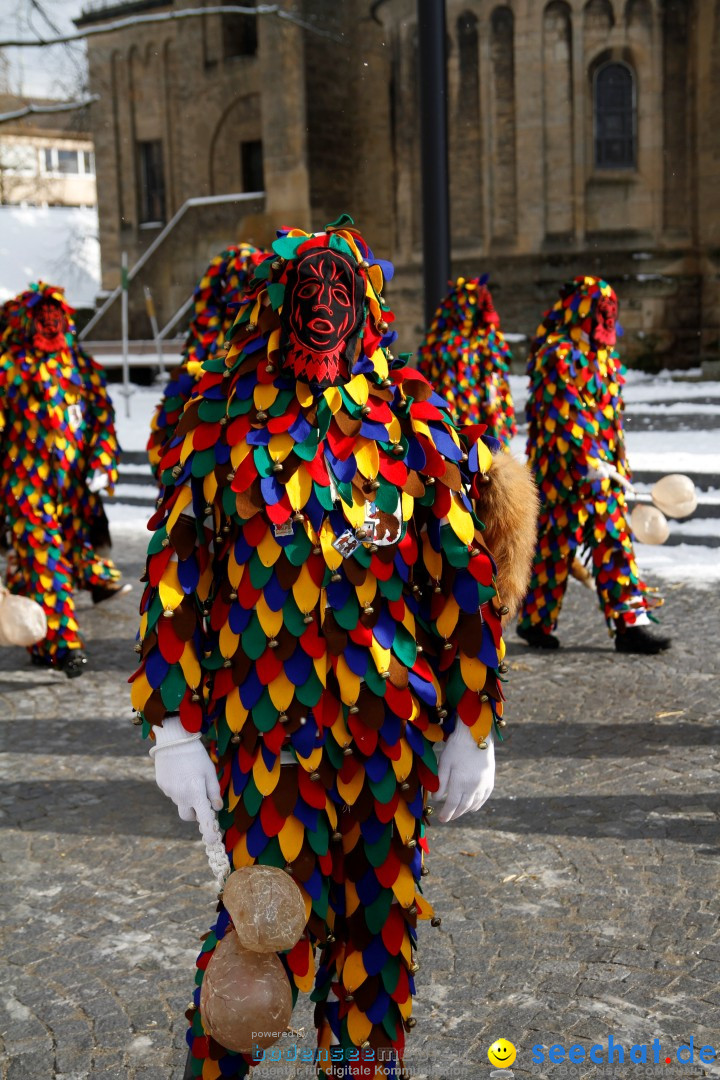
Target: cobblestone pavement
<point>582,902</point>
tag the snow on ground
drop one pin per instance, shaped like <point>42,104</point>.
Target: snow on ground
<point>57,244</point>
<point>657,451</point>
<point>697,526</point>
<point>691,564</point>
<point>127,521</point>
<point>676,408</point>
<point>673,388</point>
<point>133,431</point>
<point>665,460</point>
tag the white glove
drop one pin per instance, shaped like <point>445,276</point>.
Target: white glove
<point>185,773</point>
<point>467,773</point>
<point>98,481</point>
<point>601,471</point>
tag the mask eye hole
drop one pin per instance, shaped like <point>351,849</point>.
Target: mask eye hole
<point>341,295</point>
<point>309,290</point>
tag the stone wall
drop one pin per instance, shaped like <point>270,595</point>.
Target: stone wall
<point>337,115</point>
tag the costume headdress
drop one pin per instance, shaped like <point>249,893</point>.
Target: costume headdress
<point>215,305</point>
<point>466,357</point>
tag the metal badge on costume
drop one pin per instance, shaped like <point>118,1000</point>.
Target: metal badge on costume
<point>322,316</point>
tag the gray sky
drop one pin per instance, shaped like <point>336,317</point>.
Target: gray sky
<point>49,72</point>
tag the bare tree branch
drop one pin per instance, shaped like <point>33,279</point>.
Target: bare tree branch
<point>43,15</point>
<point>63,106</point>
<point>188,13</point>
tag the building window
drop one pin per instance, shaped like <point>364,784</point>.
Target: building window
<point>67,162</point>
<point>239,35</point>
<point>152,182</point>
<point>56,162</point>
<point>18,160</point>
<point>251,166</point>
<point>615,117</point>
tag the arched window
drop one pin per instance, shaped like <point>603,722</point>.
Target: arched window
<point>614,102</point>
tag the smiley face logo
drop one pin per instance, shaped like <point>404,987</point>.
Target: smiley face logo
<point>501,1054</point>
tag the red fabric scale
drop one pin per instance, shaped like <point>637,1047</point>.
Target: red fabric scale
<point>271,821</point>
<point>254,530</point>
<point>171,646</point>
<point>245,475</point>
<point>268,667</point>
<point>300,957</point>
<point>402,991</point>
<point>388,871</point>
<point>385,812</point>
<point>280,511</point>
<point>275,738</point>
<point>311,792</point>
<point>223,684</point>
<point>342,446</point>
<point>317,468</point>
<point>399,701</point>
<point>219,613</point>
<point>312,644</point>
<point>393,932</point>
<point>434,461</point>
<point>278,424</point>
<point>365,738</point>
<point>157,567</point>
<point>383,571</point>
<point>481,568</point>
<point>206,436</point>
<point>442,502</point>
<point>190,713</point>
<point>237,430</point>
<point>394,471</point>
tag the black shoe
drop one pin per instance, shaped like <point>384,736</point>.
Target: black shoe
<point>73,663</point>
<point>537,638</point>
<point>40,660</point>
<point>637,639</point>
<point>106,592</point>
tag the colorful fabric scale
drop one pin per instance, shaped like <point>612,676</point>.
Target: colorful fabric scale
<point>466,358</point>
<point>56,430</point>
<point>320,604</point>
<point>575,421</point>
<point>215,305</point>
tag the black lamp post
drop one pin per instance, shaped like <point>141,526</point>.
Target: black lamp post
<point>434,152</point>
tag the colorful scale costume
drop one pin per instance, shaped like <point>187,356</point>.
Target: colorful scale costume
<point>215,305</point>
<point>319,594</point>
<point>56,430</point>
<point>575,421</point>
<point>466,358</point>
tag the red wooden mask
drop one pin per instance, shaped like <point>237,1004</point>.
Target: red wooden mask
<point>49,327</point>
<point>604,328</point>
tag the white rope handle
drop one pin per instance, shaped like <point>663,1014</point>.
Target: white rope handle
<point>176,742</point>
<point>216,855</point>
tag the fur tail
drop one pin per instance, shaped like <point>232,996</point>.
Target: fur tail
<point>508,507</point>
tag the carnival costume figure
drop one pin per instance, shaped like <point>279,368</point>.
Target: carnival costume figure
<point>57,450</point>
<point>216,301</point>
<point>575,444</point>
<point>321,606</point>
<point>466,358</point>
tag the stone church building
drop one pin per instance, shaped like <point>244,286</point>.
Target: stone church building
<point>584,137</point>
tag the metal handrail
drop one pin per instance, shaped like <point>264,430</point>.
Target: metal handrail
<point>200,200</point>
